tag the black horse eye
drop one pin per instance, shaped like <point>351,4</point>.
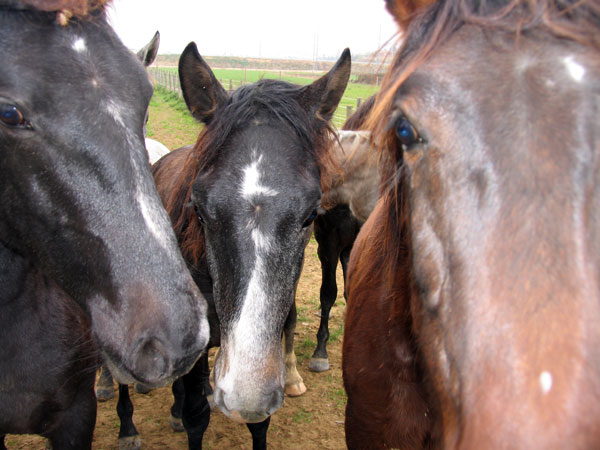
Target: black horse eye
<point>12,117</point>
<point>310,219</point>
<point>406,133</point>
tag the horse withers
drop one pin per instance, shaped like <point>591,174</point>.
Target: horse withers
<point>242,201</point>
<point>77,200</point>
<point>473,316</point>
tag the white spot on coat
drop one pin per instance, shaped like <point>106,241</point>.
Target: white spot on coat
<point>79,45</point>
<point>546,382</point>
<point>575,69</point>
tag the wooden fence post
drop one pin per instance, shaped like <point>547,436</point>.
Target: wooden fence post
<point>358,102</point>
<point>348,111</point>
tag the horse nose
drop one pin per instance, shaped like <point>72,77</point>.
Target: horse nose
<point>150,359</point>
<point>252,410</point>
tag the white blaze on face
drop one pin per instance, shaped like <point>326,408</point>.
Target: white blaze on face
<point>575,69</point>
<point>250,330</point>
<point>152,212</point>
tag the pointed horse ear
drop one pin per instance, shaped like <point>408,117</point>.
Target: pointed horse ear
<point>322,97</point>
<point>202,91</point>
<point>147,54</point>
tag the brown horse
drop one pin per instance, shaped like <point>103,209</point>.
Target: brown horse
<point>473,317</point>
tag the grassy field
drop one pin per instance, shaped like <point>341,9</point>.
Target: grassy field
<point>170,121</point>
<point>233,78</point>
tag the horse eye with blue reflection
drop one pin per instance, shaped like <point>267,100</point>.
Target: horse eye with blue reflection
<point>310,219</point>
<point>406,133</point>
<point>11,116</point>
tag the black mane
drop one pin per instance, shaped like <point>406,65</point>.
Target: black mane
<point>274,98</point>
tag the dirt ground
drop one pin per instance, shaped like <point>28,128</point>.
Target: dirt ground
<point>314,420</point>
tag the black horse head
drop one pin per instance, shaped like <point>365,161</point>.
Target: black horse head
<point>262,158</point>
<point>76,194</point>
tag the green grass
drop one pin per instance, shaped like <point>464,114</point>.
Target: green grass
<point>335,335</point>
<point>302,416</point>
<point>302,317</point>
<point>338,396</point>
<point>353,91</point>
<point>169,117</point>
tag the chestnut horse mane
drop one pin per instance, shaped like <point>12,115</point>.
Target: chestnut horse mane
<point>68,8</point>
<point>276,98</point>
<point>426,26</point>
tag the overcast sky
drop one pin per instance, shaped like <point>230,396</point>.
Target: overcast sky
<point>255,28</point>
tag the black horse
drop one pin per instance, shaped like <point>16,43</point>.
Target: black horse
<point>335,231</point>
<point>83,235</point>
<point>242,201</point>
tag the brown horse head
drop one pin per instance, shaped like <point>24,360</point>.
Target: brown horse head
<point>488,121</point>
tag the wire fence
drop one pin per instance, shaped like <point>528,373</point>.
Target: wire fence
<point>169,80</point>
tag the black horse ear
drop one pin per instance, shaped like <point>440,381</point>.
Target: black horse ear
<point>322,97</point>
<point>147,54</point>
<point>202,91</point>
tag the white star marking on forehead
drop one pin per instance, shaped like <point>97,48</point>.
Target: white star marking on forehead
<point>251,186</point>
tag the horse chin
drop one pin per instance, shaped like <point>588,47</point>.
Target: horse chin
<point>241,416</point>
<point>123,376</point>
<point>248,418</point>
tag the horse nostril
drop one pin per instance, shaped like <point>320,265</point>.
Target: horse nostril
<point>151,361</point>
<point>276,402</point>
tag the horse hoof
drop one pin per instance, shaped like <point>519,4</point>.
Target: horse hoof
<point>104,394</point>
<point>141,388</point>
<point>318,364</point>
<point>295,390</point>
<point>130,443</point>
<point>176,424</point>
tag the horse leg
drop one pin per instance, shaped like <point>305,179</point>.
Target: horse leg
<point>77,423</point>
<point>177,407</point>
<point>196,410</point>
<point>344,258</point>
<point>105,389</point>
<point>294,385</point>
<point>328,255</point>
<point>259,434</point>
<point>129,438</point>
